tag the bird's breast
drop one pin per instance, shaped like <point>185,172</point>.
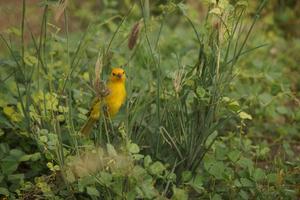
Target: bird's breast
<point>116,97</point>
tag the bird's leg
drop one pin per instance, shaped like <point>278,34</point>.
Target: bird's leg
<point>101,89</point>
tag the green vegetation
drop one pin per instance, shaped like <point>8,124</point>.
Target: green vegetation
<point>212,108</point>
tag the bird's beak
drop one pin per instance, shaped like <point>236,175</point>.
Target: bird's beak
<point>119,76</point>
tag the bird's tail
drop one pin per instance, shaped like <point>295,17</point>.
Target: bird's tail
<point>87,127</point>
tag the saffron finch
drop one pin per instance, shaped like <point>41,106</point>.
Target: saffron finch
<point>113,101</point>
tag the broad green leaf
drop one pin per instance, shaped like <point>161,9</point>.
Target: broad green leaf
<point>211,138</point>
<point>50,166</point>
<point>30,60</point>
<point>263,151</point>
<point>229,173</point>
<point>146,189</point>
<point>265,98</point>
<point>14,177</point>
<point>272,178</point>
<point>133,148</point>
<point>282,110</point>
<point>92,191</point>
<point>288,150</point>
<point>186,176</point>
<point>244,194</point>
<point>52,141</point>
<point>16,153</point>
<point>139,172</point>
<point>234,106</point>
<point>200,92</point>
<point>85,181</point>
<point>234,155</point>
<point>216,197</point>
<point>4,149</point>
<point>106,178</point>
<point>10,112</point>
<point>137,157</point>
<point>35,156</point>
<point>179,194</point>
<point>217,169</point>
<point>43,139</point>
<point>246,163</point>
<point>244,115</point>
<point>4,191</point>
<point>147,161</point>
<point>171,177</point>
<point>246,182</point>
<point>221,151</point>
<point>43,131</point>
<point>9,167</point>
<point>226,99</point>
<point>4,122</point>
<point>131,195</point>
<point>118,186</point>
<point>32,157</point>
<point>157,168</point>
<point>197,183</point>
<point>60,118</point>
<point>259,174</point>
<point>10,163</point>
<point>237,183</point>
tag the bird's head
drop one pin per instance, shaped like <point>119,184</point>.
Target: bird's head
<point>118,74</point>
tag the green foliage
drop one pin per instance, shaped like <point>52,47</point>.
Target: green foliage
<point>236,176</point>
<point>206,116</point>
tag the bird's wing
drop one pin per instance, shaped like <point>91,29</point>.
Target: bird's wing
<point>95,100</point>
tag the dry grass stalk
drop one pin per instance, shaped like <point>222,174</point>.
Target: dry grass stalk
<point>98,71</point>
<point>99,85</point>
<point>60,9</point>
<point>178,81</point>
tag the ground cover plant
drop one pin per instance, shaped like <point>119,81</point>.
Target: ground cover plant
<point>212,108</point>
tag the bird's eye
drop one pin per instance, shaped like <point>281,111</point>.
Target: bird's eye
<point>113,74</point>
<point>123,72</point>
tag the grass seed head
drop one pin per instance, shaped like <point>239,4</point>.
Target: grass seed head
<point>92,161</point>
<point>134,35</point>
<point>99,85</point>
<point>178,81</point>
<point>60,9</point>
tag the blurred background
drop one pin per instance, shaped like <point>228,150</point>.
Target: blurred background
<point>280,16</point>
<point>257,152</point>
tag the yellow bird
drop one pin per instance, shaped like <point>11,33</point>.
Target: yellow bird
<point>113,101</point>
